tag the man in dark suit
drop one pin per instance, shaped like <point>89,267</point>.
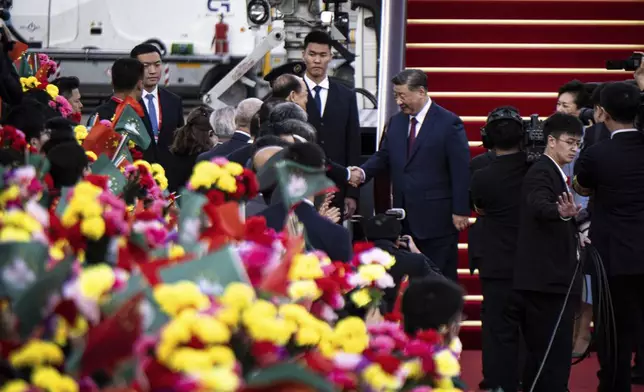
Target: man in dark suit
<point>242,136</point>
<point>547,274</point>
<point>163,109</point>
<point>426,151</point>
<point>612,172</point>
<point>333,110</point>
<point>321,233</point>
<point>496,196</point>
<point>127,81</point>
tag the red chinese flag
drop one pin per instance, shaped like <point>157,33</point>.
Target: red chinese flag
<point>102,140</point>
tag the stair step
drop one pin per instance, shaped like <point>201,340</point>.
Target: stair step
<point>575,34</point>
<point>471,284</point>
<point>470,79</point>
<point>478,106</point>
<point>472,310</point>
<point>515,57</point>
<point>562,9</point>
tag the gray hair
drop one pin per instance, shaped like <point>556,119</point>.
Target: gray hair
<point>222,122</point>
<point>414,79</point>
<point>245,111</point>
<point>302,130</point>
<point>287,110</point>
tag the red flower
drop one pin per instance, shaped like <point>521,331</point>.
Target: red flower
<point>257,231</point>
<point>240,192</point>
<point>430,336</point>
<point>216,197</point>
<point>361,246</point>
<point>387,362</point>
<point>97,180</point>
<point>265,353</point>
<point>252,185</point>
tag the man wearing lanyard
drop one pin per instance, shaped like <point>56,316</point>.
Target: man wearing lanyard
<point>164,110</point>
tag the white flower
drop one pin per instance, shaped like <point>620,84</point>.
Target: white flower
<point>147,314</point>
<point>377,256</point>
<point>18,274</point>
<point>385,282</point>
<point>347,361</point>
<point>296,187</point>
<point>210,288</point>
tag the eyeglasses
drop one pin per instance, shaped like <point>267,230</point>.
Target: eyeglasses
<point>571,143</point>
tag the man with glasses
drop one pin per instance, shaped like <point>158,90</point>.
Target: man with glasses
<point>547,258</point>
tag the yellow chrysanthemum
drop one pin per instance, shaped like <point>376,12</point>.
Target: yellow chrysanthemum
<point>81,133</point>
<point>361,298</point>
<point>96,281</point>
<point>93,228</point>
<point>9,194</point>
<point>49,379</point>
<point>176,297</point>
<point>15,386</point>
<point>157,169</point>
<point>380,380</point>
<point>37,353</point>
<point>227,183</point>
<point>371,272</point>
<point>52,90</point>
<point>143,163</point>
<point>238,295</point>
<point>14,234</point>
<point>305,267</point>
<point>91,155</point>
<point>304,289</point>
<point>22,220</point>
<point>234,169</point>
<point>218,379</point>
<point>446,364</point>
<point>175,251</point>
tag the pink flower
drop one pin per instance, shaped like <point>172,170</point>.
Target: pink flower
<point>383,343</point>
<point>422,389</point>
<point>64,107</point>
<point>106,123</point>
<point>220,161</point>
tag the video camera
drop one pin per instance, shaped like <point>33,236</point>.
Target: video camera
<point>534,143</point>
<point>630,64</point>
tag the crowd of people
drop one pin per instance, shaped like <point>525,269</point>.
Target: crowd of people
<point>145,251</point>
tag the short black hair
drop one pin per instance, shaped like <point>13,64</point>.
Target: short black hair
<point>62,131</point>
<point>560,124</point>
<point>268,141</point>
<point>267,107</point>
<point>275,129</point>
<point>287,110</point>
<point>595,97</point>
<point>621,101</point>
<point>126,73</point>
<point>306,154</point>
<point>578,90</point>
<point>300,128</point>
<point>317,37</point>
<point>29,118</point>
<point>430,303</point>
<point>285,84</point>
<point>413,78</point>
<point>144,48</point>
<point>67,84</point>
<point>68,161</point>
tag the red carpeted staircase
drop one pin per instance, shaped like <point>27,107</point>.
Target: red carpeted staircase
<point>482,54</point>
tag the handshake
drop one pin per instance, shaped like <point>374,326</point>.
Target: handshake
<point>356,176</point>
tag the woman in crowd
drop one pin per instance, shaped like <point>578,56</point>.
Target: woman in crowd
<point>194,138</point>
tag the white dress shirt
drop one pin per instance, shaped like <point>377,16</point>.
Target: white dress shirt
<point>420,117</point>
<point>622,131</point>
<point>155,94</point>
<point>324,92</point>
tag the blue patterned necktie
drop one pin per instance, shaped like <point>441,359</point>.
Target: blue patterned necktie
<point>318,99</point>
<point>152,112</point>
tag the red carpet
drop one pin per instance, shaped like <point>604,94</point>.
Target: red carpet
<point>482,54</point>
<point>582,377</point>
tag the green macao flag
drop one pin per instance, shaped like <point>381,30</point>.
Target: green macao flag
<point>104,167</point>
<point>297,182</point>
<point>131,125</point>
<point>21,265</point>
<point>191,219</point>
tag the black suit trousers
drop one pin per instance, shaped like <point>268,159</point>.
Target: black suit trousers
<point>615,348</point>
<point>443,252</point>
<point>501,338</point>
<point>537,315</point>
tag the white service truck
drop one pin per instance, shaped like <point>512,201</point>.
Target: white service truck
<point>85,36</point>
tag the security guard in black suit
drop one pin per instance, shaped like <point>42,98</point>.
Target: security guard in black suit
<point>613,172</point>
<point>496,195</point>
<point>547,273</point>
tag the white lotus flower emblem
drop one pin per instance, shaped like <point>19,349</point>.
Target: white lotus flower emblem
<point>296,187</point>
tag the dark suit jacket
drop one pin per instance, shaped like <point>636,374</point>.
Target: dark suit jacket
<point>475,232</point>
<point>433,183</point>
<point>171,108</point>
<point>614,171</point>
<point>321,233</point>
<point>338,132</point>
<point>180,171</point>
<point>242,155</point>
<point>238,141</point>
<point>547,245</point>
<point>496,189</point>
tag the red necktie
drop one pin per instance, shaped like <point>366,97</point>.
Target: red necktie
<point>412,136</point>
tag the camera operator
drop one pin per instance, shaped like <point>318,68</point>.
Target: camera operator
<point>384,231</point>
<point>496,195</point>
<point>547,280</point>
<point>612,172</point>
<point>10,87</point>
